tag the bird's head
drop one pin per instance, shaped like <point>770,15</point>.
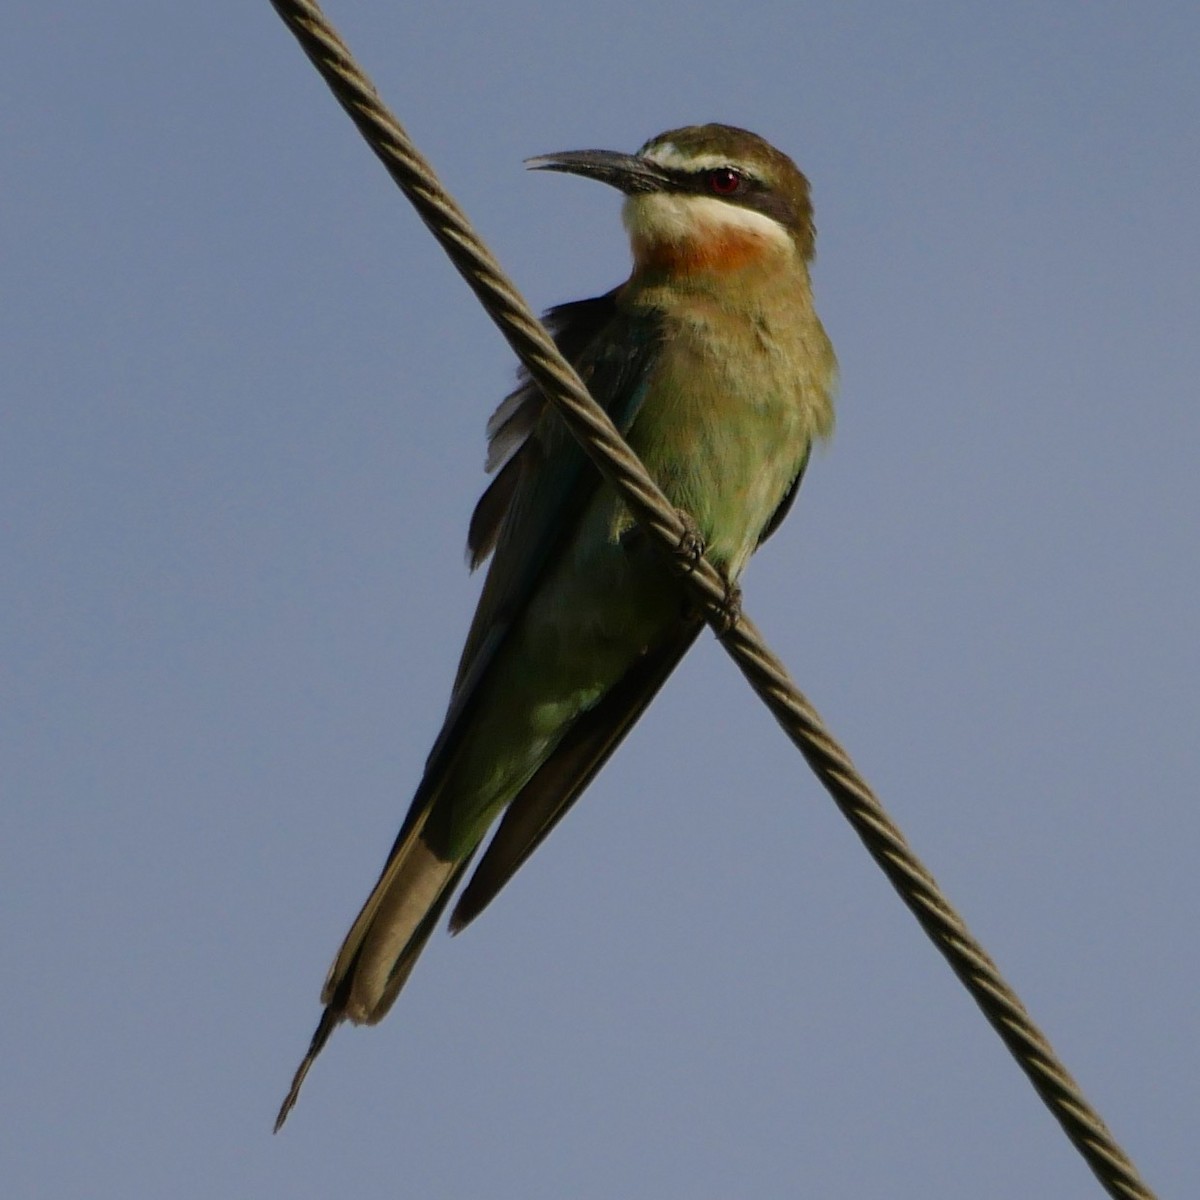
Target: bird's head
<point>709,198</point>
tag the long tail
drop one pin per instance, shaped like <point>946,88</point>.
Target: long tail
<point>383,944</point>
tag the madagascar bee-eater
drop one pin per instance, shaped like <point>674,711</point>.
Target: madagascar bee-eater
<point>711,361</point>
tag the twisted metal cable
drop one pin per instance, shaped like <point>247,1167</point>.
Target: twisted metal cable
<point>765,673</point>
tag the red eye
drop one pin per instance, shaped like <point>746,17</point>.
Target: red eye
<point>724,181</point>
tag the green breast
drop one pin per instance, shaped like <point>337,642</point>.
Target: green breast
<point>731,411</point>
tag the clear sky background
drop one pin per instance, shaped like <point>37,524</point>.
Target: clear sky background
<point>244,399</point>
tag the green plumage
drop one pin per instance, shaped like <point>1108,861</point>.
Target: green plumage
<point>712,362</point>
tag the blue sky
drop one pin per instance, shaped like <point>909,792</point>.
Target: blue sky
<point>242,437</point>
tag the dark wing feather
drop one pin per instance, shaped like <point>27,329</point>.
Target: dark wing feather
<point>554,482</point>
<point>585,748</point>
<point>512,426</point>
<point>785,505</point>
<point>528,515</point>
<point>490,512</point>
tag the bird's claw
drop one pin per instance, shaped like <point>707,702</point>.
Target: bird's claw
<point>689,550</point>
<point>729,611</point>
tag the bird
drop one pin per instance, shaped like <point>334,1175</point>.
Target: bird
<point>712,362</point>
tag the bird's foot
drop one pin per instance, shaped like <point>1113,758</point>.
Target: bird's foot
<point>689,550</point>
<point>729,610</point>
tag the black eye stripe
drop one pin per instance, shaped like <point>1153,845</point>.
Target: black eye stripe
<point>753,193</point>
<point>698,181</point>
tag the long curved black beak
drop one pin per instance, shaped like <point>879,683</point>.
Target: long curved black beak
<point>628,173</point>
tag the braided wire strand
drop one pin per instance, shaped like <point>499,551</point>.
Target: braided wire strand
<point>765,673</point>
